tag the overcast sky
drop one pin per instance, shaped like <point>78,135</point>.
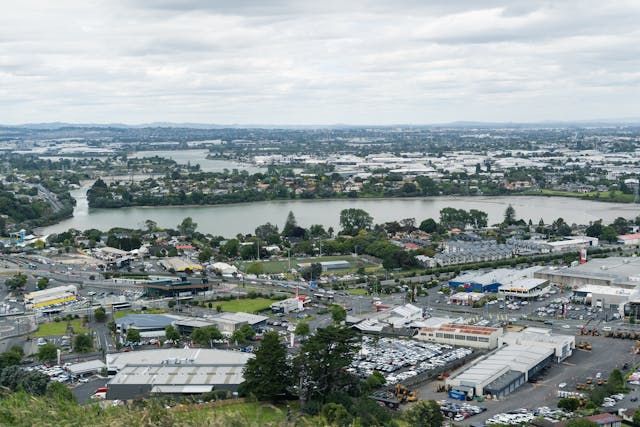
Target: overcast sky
<point>318,62</point>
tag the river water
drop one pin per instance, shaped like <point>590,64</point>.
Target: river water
<point>198,157</point>
<point>229,220</point>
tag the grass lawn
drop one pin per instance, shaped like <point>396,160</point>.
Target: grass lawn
<point>150,310</point>
<point>357,291</point>
<point>59,328</point>
<point>246,413</point>
<point>246,305</point>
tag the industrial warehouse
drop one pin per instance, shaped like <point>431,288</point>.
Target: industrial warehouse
<point>613,271</point>
<point>49,297</point>
<point>174,371</point>
<point>491,281</point>
<point>519,358</point>
<point>153,325</point>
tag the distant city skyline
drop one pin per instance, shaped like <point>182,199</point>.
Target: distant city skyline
<point>280,62</point>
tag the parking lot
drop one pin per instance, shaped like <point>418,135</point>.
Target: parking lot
<point>606,355</point>
<point>399,360</point>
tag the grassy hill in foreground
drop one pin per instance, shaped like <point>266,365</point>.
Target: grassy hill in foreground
<point>22,409</point>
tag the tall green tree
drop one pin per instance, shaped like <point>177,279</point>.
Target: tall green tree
<point>290,225</point>
<point>453,218</point>
<point>302,329</point>
<point>171,333</point>
<point>267,231</point>
<point>205,254</point>
<point>204,336</point>
<point>47,352</point>
<point>150,225</point>
<point>187,227</point>
<point>478,218</point>
<point>10,358</point>
<point>230,248</point>
<point>425,413</point>
<point>268,374</point>
<point>429,225</point>
<point>354,220</point>
<point>133,335</point>
<point>16,282</point>
<point>321,363</point>
<point>509,216</point>
<point>608,234</point>
<point>616,379</point>
<point>32,382</point>
<point>338,313</point>
<point>82,343</point>
<point>42,283</point>
<point>100,314</point>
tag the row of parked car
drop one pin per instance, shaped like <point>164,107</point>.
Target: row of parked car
<point>525,416</point>
<point>399,360</point>
<point>55,373</point>
<point>460,411</point>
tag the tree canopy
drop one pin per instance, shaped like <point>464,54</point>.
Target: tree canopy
<point>268,374</point>
<point>47,352</point>
<point>425,413</point>
<point>321,362</point>
<point>353,220</point>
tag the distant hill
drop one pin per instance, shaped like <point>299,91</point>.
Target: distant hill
<point>456,124</point>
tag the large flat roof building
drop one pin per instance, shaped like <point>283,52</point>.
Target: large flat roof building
<point>528,287</point>
<point>174,371</point>
<point>620,271</point>
<point>490,281</point>
<point>50,296</point>
<point>520,356</point>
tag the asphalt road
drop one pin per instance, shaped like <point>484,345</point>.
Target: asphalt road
<point>607,354</point>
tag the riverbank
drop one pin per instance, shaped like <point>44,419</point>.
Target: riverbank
<point>230,219</point>
<point>619,197</point>
<point>596,196</point>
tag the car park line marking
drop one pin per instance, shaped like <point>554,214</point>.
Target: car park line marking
<point>569,363</point>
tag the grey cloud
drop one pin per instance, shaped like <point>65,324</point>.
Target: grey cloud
<point>362,61</point>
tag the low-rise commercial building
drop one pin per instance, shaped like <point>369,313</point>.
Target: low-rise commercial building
<point>140,374</point>
<point>461,335</point>
<point>466,298</point>
<point>607,297</point>
<point>562,345</point>
<point>525,288</point>
<point>289,305</point>
<point>86,368</point>
<point>229,322</point>
<point>149,325</point>
<point>629,239</point>
<point>519,358</point>
<point>328,265</point>
<point>573,243</point>
<point>490,281</point>
<point>395,320</point>
<point>180,264</point>
<point>50,296</point>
